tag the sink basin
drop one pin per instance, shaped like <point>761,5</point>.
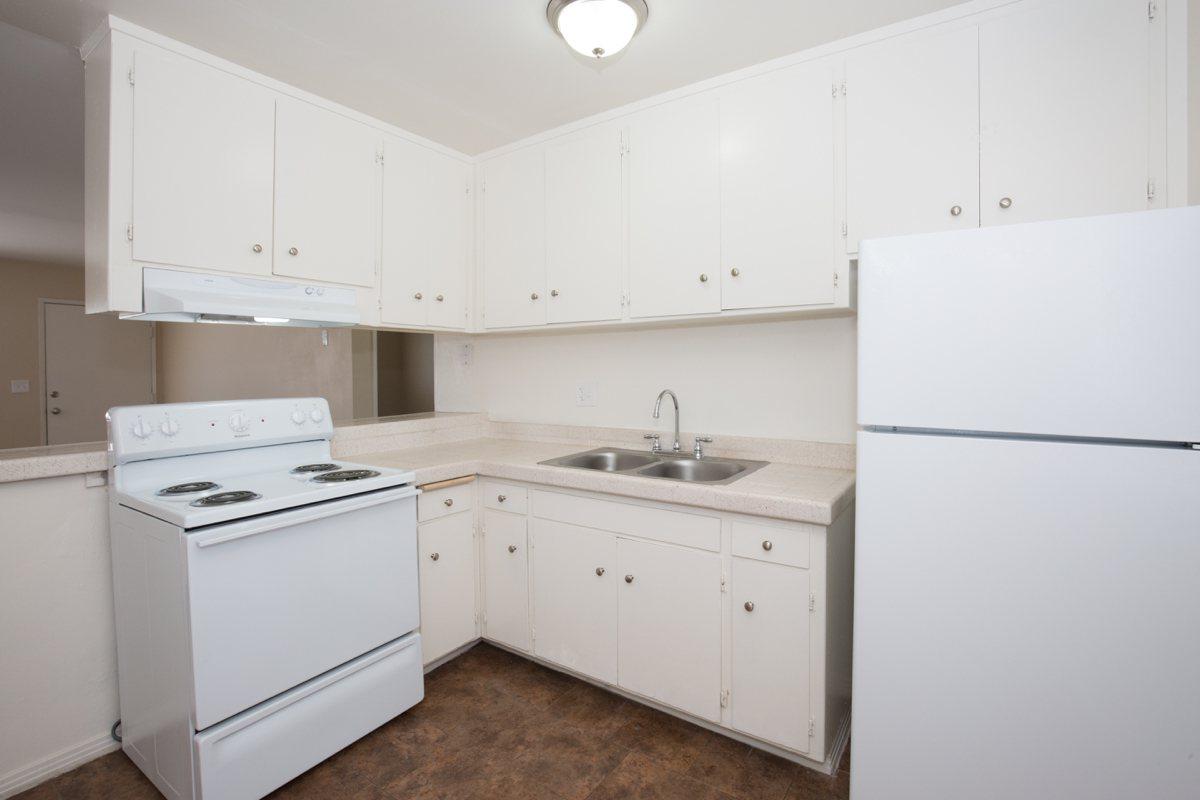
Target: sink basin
<point>689,469</point>
<point>667,466</point>
<point>605,460</point>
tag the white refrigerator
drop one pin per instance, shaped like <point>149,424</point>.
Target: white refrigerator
<point>1027,576</point>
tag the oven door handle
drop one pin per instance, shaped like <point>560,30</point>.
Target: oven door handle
<point>299,517</point>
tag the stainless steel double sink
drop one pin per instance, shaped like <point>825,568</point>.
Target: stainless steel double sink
<point>667,466</point>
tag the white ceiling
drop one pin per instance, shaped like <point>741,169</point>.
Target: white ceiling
<point>472,74</point>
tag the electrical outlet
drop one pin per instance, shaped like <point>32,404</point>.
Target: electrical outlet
<point>466,354</point>
<point>20,386</point>
<point>585,394</point>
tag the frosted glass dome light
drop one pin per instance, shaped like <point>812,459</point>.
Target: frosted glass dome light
<point>597,28</point>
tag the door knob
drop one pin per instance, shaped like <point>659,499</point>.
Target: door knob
<point>293,251</point>
<point>599,571</point>
<point>418,296</point>
<point>767,544</point>
<point>54,393</point>
<point>434,556</point>
<point>749,606</point>
<point>955,210</point>
<point>704,277</point>
<point>629,579</point>
<point>449,501</point>
<point>533,296</point>
<point>735,272</point>
<point>1005,202</point>
<point>257,248</point>
<point>512,548</point>
<point>440,298</point>
<point>501,497</point>
<point>554,292</point>
<point>56,410</point>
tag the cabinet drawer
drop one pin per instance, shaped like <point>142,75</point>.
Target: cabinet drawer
<point>505,497</point>
<point>773,543</point>
<point>659,524</point>
<point>440,502</point>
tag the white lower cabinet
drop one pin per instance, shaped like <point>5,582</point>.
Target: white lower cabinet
<point>506,578</point>
<point>770,676</point>
<point>575,580</point>
<point>669,625</point>
<point>447,573</point>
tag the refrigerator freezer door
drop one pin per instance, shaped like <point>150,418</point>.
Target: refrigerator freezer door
<point>1086,327</point>
<point>1026,620</point>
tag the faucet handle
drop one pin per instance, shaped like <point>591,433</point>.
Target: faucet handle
<point>698,451</point>
<point>657,446</point>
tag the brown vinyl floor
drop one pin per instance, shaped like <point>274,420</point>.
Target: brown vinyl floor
<point>496,726</point>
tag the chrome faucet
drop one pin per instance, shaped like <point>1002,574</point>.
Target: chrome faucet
<point>658,410</point>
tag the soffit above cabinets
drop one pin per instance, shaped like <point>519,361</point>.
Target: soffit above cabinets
<point>472,74</point>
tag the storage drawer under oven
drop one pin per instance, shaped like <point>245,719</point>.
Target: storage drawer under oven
<point>279,599</point>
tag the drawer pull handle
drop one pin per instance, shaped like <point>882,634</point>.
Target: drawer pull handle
<point>767,544</point>
<point>512,548</point>
<point>749,606</point>
<point>434,556</point>
<point>501,497</point>
<point>449,501</point>
<point>599,572</point>
<point>629,579</point>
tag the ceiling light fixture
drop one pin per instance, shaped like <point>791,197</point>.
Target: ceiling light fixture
<point>597,28</point>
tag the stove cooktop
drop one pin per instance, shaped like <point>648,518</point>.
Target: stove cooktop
<point>345,475</point>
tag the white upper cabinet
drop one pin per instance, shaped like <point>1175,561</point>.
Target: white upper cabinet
<point>203,142</point>
<point>912,135</point>
<point>1065,111</point>
<point>583,226</point>
<point>514,239</point>
<point>426,237</point>
<point>779,234</point>
<point>327,180</point>
<point>675,209</point>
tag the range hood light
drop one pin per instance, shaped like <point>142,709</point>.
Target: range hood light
<point>272,320</point>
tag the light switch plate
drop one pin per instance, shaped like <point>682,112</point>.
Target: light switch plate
<point>20,386</point>
<point>585,394</point>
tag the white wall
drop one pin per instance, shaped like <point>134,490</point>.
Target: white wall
<point>58,659</point>
<point>793,379</point>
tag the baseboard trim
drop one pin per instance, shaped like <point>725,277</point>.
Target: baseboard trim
<point>31,775</point>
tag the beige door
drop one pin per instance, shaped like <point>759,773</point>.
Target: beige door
<point>92,364</point>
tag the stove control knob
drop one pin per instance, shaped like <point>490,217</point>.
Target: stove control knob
<point>141,429</point>
<point>239,423</point>
<point>298,417</point>
<point>316,415</point>
<point>169,427</point>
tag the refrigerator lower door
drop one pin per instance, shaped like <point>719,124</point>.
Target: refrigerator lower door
<point>1026,620</point>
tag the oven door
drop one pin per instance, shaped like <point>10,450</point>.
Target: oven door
<point>279,599</point>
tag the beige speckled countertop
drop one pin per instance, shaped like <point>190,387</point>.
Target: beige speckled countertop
<point>787,491</point>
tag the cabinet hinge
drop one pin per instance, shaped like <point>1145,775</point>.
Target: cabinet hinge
<point>723,582</point>
<point>724,698</point>
<point>379,157</point>
<point>1152,9</point>
<point>835,280</point>
<point>129,232</point>
<point>835,88</point>
<point>843,228</point>
<point>129,75</point>
<point>1151,190</point>
<point>532,635</point>
<point>812,602</point>
<point>843,88</point>
<point>812,727</point>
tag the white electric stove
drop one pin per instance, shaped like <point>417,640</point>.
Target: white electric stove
<point>266,593</point>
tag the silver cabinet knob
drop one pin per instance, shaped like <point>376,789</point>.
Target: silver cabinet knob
<point>749,606</point>
<point>554,292</point>
<point>56,410</point>
<point>434,556</point>
<point>1005,202</point>
<point>735,272</point>
<point>500,498</point>
<point>293,251</point>
<point>449,501</point>
<point>629,579</point>
<point>54,393</point>
<point>704,277</point>
<point>955,210</point>
<point>599,572</point>
<point>533,296</point>
<point>512,548</point>
<point>440,298</point>
<point>418,296</point>
<point>257,248</point>
<point>767,544</point>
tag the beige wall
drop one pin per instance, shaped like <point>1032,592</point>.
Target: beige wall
<point>235,362</point>
<point>21,285</point>
<point>362,344</point>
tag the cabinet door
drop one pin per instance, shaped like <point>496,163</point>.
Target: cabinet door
<point>505,579</point>
<point>912,136</point>
<point>779,229</point>
<point>203,163</point>
<point>326,195</point>
<point>675,209</point>
<point>1065,111</point>
<point>425,237</point>
<point>770,673</point>
<point>575,598</point>
<point>669,625</point>
<point>583,226</point>
<point>514,239</point>
<point>447,575</point>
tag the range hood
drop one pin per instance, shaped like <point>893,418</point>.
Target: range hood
<point>172,296</point>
